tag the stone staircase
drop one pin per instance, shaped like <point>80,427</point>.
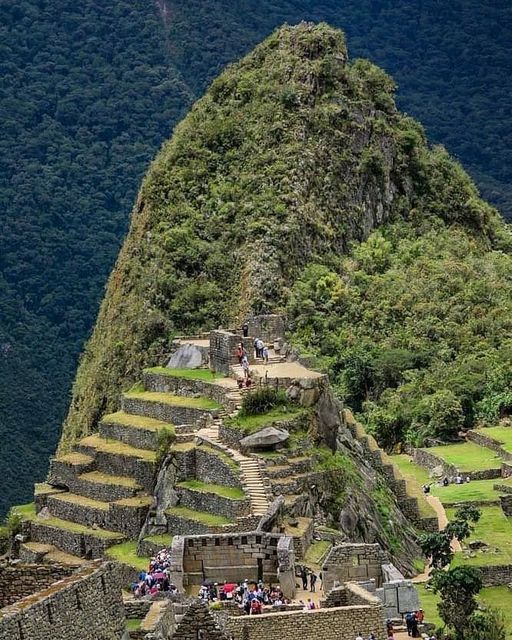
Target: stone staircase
<point>99,494</point>
<point>252,478</point>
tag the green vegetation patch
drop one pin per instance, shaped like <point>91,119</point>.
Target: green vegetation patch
<point>117,447</point>
<point>467,456</point>
<point>75,458</point>
<point>251,424</point>
<point>503,435</point>
<point>164,540</point>
<point>316,553</point>
<point>83,501</point>
<point>499,598</point>
<point>207,375</point>
<point>79,528</point>
<point>99,477</point>
<point>209,519</point>
<point>26,511</point>
<point>233,493</point>
<point>429,601</point>
<point>133,624</point>
<point>177,401</point>
<point>227,460</point>
<point>126,553</point>
<point>493,528</point>
<point>137,422</point>
<point>474,491</point>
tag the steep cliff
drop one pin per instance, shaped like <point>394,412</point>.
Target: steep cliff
<point>293,153</point>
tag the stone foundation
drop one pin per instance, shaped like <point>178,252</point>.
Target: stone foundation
<point>353,562</point>
<point>20,580</point>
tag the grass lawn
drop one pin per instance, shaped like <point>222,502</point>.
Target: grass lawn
<point>177,401</point>
<point>500,434</point>
<point>133,624</point>
<point>138,422</point>
<point>316,553</point>
<point>26,511</point>
<point>467,456</point>
<point>164,540</point>
<point>251,424</point>
<point>475,490</point>
<point>499,598</point>
<point>233,493</point>
<point>190,374</point>
<point>117,447</point>
<point>67,525</point>
<point>126,553</point>
<point>99,477</point>
<point>429,601</point>
<point>208,519</point>
<point>495,529</point>
<point>496,597</point>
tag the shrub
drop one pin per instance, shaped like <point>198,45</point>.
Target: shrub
<point>262,400</point>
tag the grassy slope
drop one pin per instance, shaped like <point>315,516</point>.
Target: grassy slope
<point>501,434</point>
<point>468,456</point>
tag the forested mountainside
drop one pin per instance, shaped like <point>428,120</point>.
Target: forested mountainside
<point>89,92</point>
<point>296,185</point>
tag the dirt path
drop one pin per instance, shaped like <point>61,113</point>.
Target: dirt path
<point>442,519</point>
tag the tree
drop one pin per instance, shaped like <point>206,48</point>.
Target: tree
<point>458,588</point>
<point>437,546</point>
<point>486,625</point>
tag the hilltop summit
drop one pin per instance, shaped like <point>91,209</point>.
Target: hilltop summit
<point>293,153</point>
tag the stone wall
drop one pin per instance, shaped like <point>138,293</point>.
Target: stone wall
<point>429,460</point>
<point>223,346</point>
<point>506,504</point>
<point>77,544</point>
<point>197,623</point>
<point>325,624</point>
<point>489,443</point>
<point>406,500</point>
<point>233,557</point>
<point>351,562</point>
<point>212,503</point>
<point>183,386</point>
<point>267,327</point>
<point>212,469</point>
<point>86,605</point>
<point>20,580</point>
<point>496,575</point>
<point>166,412</point>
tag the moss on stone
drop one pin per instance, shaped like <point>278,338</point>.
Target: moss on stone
<point>117,447</point>
<point>176,401</point>
<point>131,421</point>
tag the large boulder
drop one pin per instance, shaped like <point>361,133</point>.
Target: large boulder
<point>264,439</point>
<point>188,356</point>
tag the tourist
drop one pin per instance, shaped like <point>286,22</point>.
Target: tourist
<point>304,577</point>
<point>259,347</point>
<point>248,382</point>
<point>420,616</point>
<point>414,627</point>
<point>245,367</point>
<point>372,637</point>
<point>458,479</point>
<point>312,581</point>
<point>426,489</point>
<point>264,354</point>
<point>446,482</point>
<point>359,636</point>
<point>255,607</point>
<point>310,605</point>
<point>245,329</point>
<point>240,352</point>
<point>408,623</point>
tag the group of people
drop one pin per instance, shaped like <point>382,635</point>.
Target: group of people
<point>260,352</point>
<point>250,597</point>
<point>308,575</point>
<point>156,579</point>
<point>412,620</point>
<point>447,481</point>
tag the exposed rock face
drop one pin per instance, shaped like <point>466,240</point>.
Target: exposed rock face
<point>188,356</point>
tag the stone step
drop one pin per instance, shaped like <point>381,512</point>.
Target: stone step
<point>38,553</point>
<point>79,509</point>
<point>73,538</point>
<point>117,458</point>
<point>178,410</point>
<point>64,469</point>
<point>103,486</point>
<point>138,431</point>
